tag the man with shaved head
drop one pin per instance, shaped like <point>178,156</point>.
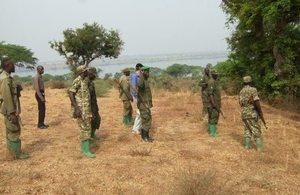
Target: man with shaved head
<point>11,109</point>
<point>38,85</point>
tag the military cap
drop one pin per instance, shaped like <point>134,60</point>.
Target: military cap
<point>247,79</point>
<point>82,68</point>
<point>125,70</point>
<point>145,69</point>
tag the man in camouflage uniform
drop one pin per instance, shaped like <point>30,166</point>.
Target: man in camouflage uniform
<point>144,103</point>
<point>96,120</point>
<point>81,101</point>
<point>125,95</point>
<point>203,84</point>
<point>214,105</point>
<point>251,112</point>
<point>10,108</point>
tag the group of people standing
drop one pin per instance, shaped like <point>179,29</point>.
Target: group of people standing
<point>135,88</point>
<point>251,112</point>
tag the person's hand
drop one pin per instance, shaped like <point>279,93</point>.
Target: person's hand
<point>13,118</point>
<point>77,113</point>
<point>150,104</point>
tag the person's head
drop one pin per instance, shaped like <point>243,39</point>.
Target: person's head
<point>247,80</point>
<point>145,71</point>
<point>126,71</point>
<point>92,73</point>
<point>208,68</point>
<point>82,71</point>
<point>8,65</point>
<point>40,69</point>
<point>214,74</point>
<point>138,66</point>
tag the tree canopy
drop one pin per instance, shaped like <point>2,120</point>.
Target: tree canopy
<point>22,55</point>
<point>265,43</point>
<point>83,45</point>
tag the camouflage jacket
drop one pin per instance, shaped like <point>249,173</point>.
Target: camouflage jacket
<point>204,82</point>
<point>246,99</point>
<point>9,101</point>
<point>144,92</point>
<point>124,88</point>
<point>82,95</point>
<point>213,88</point>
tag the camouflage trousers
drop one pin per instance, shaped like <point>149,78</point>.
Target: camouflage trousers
<point>96,121</point>
<point>13,130</point>
<point>252,128</point>
<point>85,128</point>
<point>213,116</point>
<point>146,117</point>
<point>127,108</point>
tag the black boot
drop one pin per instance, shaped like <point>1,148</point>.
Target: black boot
<point>150,139</point>
<point>144,135</point>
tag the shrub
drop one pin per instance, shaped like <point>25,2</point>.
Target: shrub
<point>103,86</point>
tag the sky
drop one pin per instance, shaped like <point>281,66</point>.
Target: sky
<point>147,27</point>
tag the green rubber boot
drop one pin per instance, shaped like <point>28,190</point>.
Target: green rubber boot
<point>247,142</point>
<point>85,149</point>
<point>210,130</point>
<point>124,121</point>
<point>213,130</point>
<point>14,148</point>
<point>130,120</point>
<point>259,144</point>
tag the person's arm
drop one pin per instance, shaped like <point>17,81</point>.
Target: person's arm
<point>72,92</point>
<point>36,86</point>
<point>10,107</point>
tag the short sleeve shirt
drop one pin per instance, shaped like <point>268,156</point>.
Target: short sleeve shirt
<point>246,99</point>
<point>82,95</point>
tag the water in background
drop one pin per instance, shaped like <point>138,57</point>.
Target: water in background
<point>116,65</point>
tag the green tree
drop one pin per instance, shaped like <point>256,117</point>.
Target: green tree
<point>265,43</point>
<point>20,54</point>
<point>83,45</point>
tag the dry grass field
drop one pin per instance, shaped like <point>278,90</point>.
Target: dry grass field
<point>183,159</point>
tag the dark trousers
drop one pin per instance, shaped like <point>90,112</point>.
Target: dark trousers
<point>42,108</point>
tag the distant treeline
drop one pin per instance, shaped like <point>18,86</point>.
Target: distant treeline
<point>173,78</point>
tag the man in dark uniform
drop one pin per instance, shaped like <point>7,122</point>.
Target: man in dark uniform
<point>144,103</point>
<point>214,105</point>
<point>203,84</point>
<point>11,109</point>
<point>96,119</point>
<point>125,95</point>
